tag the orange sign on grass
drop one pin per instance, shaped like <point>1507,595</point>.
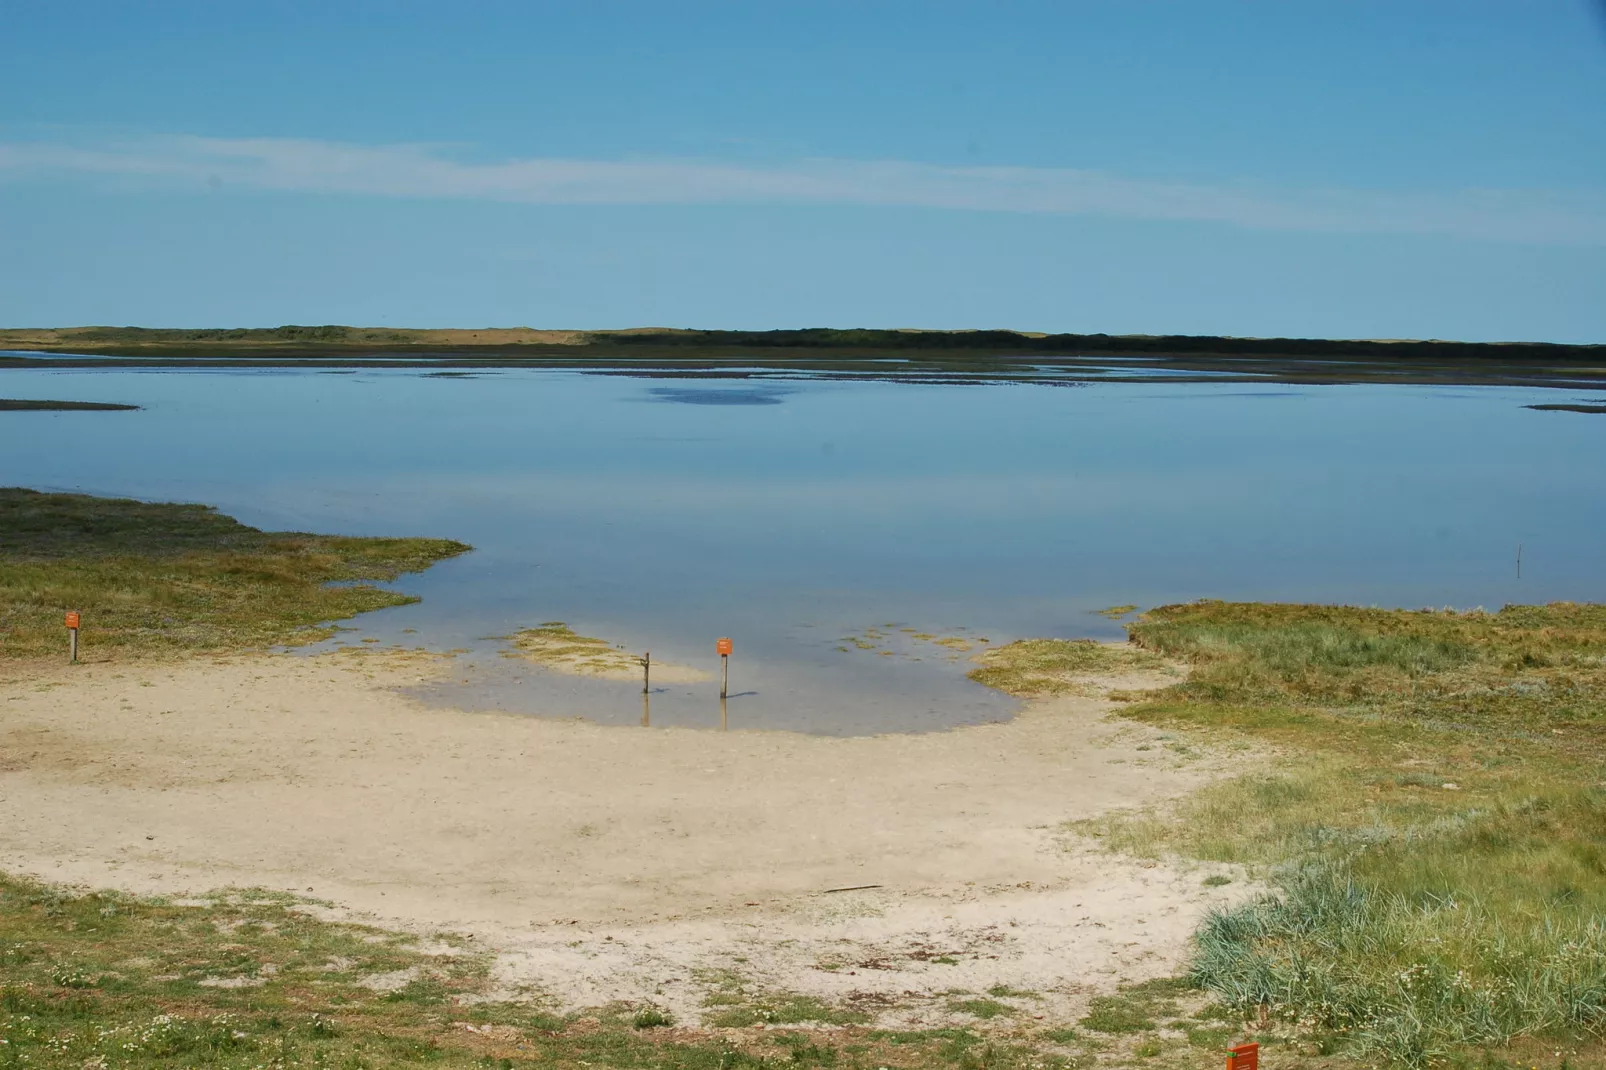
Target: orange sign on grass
<point>72,621</point>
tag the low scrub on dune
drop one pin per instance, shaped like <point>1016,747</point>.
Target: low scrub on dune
<point>164,578</point>
<point>1428,803</point>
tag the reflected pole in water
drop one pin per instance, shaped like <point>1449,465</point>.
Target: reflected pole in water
<point>646,710</point>
<point>724,719</point>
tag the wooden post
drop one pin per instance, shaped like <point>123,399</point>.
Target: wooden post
<point>723,647</point>
<point>646,672</point>
<point>72,636</point>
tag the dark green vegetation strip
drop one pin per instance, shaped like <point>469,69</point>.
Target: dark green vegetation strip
<point>167,578</point>
<point>1435,827</point>
<point>28,405</point>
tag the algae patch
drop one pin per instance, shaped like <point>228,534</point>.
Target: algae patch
<point>1038,667</point>
<point>556,646</point>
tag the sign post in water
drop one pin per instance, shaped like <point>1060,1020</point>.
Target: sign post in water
<point>723,646</point>
<point>72,636</point>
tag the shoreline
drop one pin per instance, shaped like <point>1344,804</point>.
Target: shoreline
<point>311,775</point>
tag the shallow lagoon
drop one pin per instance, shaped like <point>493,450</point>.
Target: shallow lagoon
<point>791,513</point>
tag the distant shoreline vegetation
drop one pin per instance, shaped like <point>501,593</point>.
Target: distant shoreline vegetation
<point>901,356</point>
<point>1114,344</point>
<point>29,405</point>
<point>1568,408</point>
<point>339,337</point>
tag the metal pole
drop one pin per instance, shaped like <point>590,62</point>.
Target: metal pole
<point>74,642</point>
<point>724,674</point>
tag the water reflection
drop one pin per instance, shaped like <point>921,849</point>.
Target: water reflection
<point>646,711</point>
<point>742,395</point>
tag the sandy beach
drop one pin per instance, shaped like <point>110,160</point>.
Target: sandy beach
<point>609,863</point>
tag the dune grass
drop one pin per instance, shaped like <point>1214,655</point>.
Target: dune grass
<point>1432,814</point>
<point>162,578</point>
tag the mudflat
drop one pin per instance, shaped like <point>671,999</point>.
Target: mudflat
<point>602,862</point>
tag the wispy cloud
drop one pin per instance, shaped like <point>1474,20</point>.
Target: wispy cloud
<point>1530,216</point>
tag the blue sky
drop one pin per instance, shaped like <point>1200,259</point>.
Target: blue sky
<point>1347,168</point>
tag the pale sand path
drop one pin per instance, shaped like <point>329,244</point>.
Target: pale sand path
<point>657,852</point>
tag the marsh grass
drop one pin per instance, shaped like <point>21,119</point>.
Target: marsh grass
<point>156,578</point>
<point>1433,818</point>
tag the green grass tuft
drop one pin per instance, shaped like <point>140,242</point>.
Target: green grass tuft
<point>981,1008</point>
<point>652,1018</point>
<point>781,1009</point>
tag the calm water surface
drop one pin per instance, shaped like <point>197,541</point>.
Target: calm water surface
<point>788,514</point>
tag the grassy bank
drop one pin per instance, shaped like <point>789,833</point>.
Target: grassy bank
<point>166,578</point>
<point>1433,818</point>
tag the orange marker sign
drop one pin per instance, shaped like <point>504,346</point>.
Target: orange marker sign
<point>72,621</point>
<point>723,647</point>
<point>1244,1057</point>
